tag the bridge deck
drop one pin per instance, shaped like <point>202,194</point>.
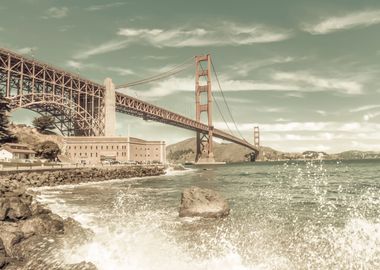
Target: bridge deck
<point>133,106</point>
<point>23,77</point>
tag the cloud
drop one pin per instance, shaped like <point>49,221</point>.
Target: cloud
<point>352,20</point>
<point>27,50</point>
<point>350,127</point>
<point>80,66</point>
<point>365,108</point>
<point>369,116</point>
<point>225,34</point>
<point>318,83</point>
<point>175,84</point>
<point>121,71</point>
<point>221,35</point>
<point>105,6</point>
<point>74,64</point>
<point>244,68</point>
<point>110,46</point>
<point>56,13</point>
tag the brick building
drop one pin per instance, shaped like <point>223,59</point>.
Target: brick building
<point>94,150</point>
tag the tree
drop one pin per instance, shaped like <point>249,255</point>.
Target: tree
<point>44,123</point>
<point>47,149</point>
<point>5,133</point>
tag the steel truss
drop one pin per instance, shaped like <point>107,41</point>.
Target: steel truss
<point>76,104</point>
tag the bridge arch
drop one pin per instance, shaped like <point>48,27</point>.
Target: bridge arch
<point>70,119</point>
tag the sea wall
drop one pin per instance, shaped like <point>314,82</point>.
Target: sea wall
<point>76,176</point>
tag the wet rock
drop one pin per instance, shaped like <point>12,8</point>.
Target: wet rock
<point>10,235</point>
<point>42,224</point>
<point>3,255</point>
<point>200,202</point>
<point>178,167</point>
<point>4,207</point>
<point>74,230</point>
<point>82,266</point>
<point>38,209</point>
<point>18,209</point>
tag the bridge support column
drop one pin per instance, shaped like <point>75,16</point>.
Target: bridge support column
<point>109,108</point>
<point>204,142</point>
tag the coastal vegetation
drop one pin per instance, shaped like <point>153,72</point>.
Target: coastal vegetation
<point>44,124</point>
<point>5,132</point>
<point>47,150</point>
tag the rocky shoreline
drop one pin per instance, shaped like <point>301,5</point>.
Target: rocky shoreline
<point>29,230</point>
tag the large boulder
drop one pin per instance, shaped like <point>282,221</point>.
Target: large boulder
<point>4,207</point>
<point>42,224</point>
<point>10,235</point>
<point>201,202</point>
<point>18,209</point>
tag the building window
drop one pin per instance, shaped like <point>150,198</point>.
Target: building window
<point>91,154</point>
<point>75,147</point>
<point>101,147</point>
<point>96,147</point>
<point>85,147</point>
<point>80,147</point>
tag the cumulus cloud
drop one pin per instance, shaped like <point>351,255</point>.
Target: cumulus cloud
<point>56,13</point>
<point>319,83</point>
<point>348,21</point>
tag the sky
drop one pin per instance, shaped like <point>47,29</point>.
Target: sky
<point>306,72</point>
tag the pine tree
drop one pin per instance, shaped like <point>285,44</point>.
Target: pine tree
<point>44,124</point>
<point>5,134</point>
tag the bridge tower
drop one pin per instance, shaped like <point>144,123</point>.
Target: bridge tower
<point>109,116</point>
<point>256,136</point>
<point>203,104</point>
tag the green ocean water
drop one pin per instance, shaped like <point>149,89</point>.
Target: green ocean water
<point>293,215</point>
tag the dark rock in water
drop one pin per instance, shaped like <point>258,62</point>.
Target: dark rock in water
<point>199,202</point>
<point>75,233</point>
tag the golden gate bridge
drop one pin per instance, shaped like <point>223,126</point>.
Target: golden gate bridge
<point>82,107</point>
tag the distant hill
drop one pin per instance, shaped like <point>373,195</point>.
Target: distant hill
<point>184,151</point>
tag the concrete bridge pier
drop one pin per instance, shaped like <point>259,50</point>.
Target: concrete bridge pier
<point>109,109</point>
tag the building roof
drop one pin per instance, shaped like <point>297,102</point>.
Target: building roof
<point>17,148</point>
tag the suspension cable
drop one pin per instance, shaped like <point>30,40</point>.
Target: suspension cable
<point>225,101</point>
<point>172,71</point>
